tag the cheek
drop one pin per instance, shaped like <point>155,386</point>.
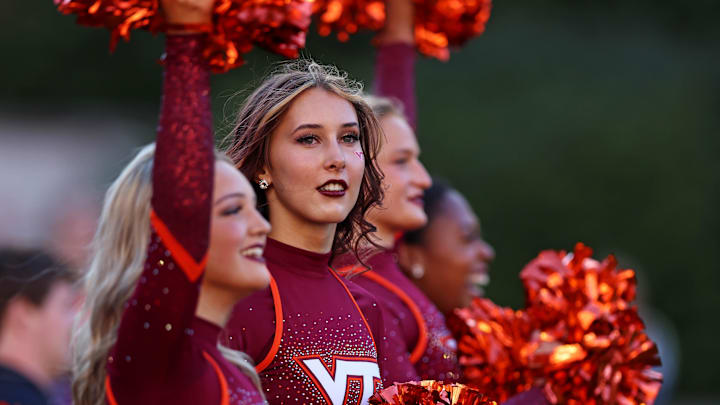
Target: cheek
<point>226,237</point>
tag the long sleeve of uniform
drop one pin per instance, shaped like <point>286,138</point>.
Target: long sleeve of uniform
<point>158,316</point>
<point>395,76</point>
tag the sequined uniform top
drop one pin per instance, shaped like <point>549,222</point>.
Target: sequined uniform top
<point>310,334</point>
<point>406,309</point>
<point>164,354</point>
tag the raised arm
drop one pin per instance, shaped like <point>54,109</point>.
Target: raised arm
<point>395,57</point>
<point>157,317</point>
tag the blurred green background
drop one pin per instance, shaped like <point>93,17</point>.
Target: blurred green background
<point>566,121</point>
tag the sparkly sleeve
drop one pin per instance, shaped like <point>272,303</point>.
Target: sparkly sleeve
<point>395,76</point>
<point>155,320</point>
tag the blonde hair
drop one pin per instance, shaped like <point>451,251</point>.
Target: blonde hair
<point>384,106</point>
<point>119,251</point>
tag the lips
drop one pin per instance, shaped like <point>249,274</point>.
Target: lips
<point>254,253</point>
<point>477,282</point>
<point>417,200</point>
<point>333,188</point>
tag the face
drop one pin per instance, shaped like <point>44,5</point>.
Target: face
<point>52,323</point>
<point>405,179</point>
<point>454,255</point>
<point>237,235</point>
<point>316,162</point>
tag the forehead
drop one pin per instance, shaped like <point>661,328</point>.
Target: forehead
<point>319,106</point>
<point>399,136</point>
<point>229,180</point>
<point>454,206</point>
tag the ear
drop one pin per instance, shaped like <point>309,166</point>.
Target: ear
<point>19,314</point>
<point>263,174</point>
<point>409,255</point>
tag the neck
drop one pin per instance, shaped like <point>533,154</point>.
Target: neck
<point>384,236</point>
<point>19,354</point>
<point>300,233</point>
<point>215,303</point>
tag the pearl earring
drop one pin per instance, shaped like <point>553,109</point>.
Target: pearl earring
<point>263,184</point>
<point>417,271</point>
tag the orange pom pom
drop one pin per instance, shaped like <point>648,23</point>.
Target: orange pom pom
<point>429,392</point>
<point>277,25</point>
<point>579,337</point>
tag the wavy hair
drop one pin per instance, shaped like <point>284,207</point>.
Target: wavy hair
<point>119,249</point>
<point>262,112</point>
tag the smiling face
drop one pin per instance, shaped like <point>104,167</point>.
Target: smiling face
<point>454,255</point>
<point>237,235</point>
<point>316,163</point>
<point>405,179</point>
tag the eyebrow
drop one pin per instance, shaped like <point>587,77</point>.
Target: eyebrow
<point>226,196</point>
<point>318,126</point>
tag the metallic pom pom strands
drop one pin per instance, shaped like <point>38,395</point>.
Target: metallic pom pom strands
<point>439,24</point>
<point>276,25</point>
<point>430,392</point>
<point>579,337</point>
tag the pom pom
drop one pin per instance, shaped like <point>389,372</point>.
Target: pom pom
<point>438,24</point>
<point>429,392</point>
<point>346,17</point>
<point>277,25</point>
<point>579,337</point>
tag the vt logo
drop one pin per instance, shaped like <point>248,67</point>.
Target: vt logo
<point>349,380</point>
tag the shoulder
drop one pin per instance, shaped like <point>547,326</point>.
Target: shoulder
<point>15,388</point>
<point>366,300</point>
<point>252,325</point>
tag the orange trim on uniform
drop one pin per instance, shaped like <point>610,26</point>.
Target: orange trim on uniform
<point>189,266</point>
<point>108,392</point>
<point>421,344</point>
<point>224,395</point>
<point>422,326</point>
<point>277,303</point>
<point>358,308</point>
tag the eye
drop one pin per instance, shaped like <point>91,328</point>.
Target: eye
<point>351,137</point>
<point>232,210</point>
<point>308,139</point>
<point>401,161</point>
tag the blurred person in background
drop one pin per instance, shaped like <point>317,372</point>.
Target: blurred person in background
<point>37,305</point>
<point>428,344</point>
<point>448,257</point>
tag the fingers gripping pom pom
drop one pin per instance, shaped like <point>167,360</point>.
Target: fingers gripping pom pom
<point>429,392</point>
<point>277,25</point>
<point>579,337</point>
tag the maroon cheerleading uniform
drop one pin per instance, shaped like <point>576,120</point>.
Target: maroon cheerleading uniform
<point>410,313</point>
<point>310,333</point>
<point>164,354</point>
<point>406,309</point>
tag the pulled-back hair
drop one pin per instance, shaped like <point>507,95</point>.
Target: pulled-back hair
<point>385,106</point>
<point>261,114</point>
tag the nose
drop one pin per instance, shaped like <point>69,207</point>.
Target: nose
<point>335,158</point>
<point>421,178</point>
<point>486,252</point>
<point>259,226</point>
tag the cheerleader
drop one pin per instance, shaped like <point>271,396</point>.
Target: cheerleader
<point>408,311</point>
<point>307,140</point>
<point>449,254</point>
<point>179,243</point>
